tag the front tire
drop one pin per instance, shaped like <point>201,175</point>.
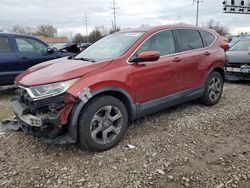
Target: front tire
<point>213,89</point>
<point>102,123</point>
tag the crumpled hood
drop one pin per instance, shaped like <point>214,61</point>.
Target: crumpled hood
<point>238,56</point>
<point>57,70</point>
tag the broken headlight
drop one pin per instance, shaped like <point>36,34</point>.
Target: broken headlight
<point>50,90</point>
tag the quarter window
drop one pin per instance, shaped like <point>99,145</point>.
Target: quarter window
<point>5,47</point>
<point>208,38</point>
<point>189,39</point>
<point>27,45</point>
<point>162,42</point>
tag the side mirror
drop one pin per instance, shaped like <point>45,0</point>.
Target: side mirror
<point>147,56</point>
<point>50,50</point>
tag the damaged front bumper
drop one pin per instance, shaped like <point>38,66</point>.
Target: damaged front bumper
<point>42,121</point>
<point>237,72</point>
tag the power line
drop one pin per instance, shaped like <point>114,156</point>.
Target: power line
<point>198,2</point>
<point>86,21</point>
<point>114,8</point>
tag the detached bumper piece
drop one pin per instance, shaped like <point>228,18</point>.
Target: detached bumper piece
<point>44,124</point>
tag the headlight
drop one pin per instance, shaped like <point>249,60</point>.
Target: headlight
<point>50,90</point>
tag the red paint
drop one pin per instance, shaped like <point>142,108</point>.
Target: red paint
<point>64,113</point>
<point>149,55</point>
<point>142,81</point>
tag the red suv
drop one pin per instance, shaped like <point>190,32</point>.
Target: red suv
<point>89,98</point>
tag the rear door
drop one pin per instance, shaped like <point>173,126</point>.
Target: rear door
<point>192,49</point>
<point>9,67</point>
<point>31,52</point>
<point>157,79</point>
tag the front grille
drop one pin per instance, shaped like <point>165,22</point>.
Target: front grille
<point>23,97</point>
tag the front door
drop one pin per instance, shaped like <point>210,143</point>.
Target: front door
<point>157,79</point>
<point>32,52</point>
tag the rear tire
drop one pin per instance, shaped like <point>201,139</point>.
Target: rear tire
<point>213,89</point>
<point>102,123</point>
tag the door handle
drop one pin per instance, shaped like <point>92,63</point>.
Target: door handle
<point>177,59</point>
<point>207,53</point>
<point>24,58</point>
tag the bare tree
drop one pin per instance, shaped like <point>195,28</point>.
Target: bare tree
<point>104,30</point>
<point>21,29</point>
<point>79,38</point>
<point>95,35</point>
<point>46,31</point>
<point>113,31</point>
<point>222,30</point>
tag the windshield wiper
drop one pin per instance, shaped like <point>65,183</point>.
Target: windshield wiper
<point>85,59</point>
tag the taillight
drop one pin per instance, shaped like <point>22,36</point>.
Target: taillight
<point>225,46</point>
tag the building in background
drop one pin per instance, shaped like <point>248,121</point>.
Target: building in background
<point>55,41</point>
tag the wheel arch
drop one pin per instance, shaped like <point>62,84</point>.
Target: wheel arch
<point>216,69</point>
<point>221,71</point>
<point>118,93</point>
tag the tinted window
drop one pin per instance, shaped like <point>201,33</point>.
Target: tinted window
<point>162,42</point>
<point>5,45</point>
<point>30,45</point>
<point>189,39</point>
<point>208,38</point>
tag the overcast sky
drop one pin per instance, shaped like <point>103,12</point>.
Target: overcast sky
<point>67,15</point>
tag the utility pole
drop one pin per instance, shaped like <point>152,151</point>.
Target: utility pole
<point>114,14</point>
<point>86,25</point>
<point>197,10</point>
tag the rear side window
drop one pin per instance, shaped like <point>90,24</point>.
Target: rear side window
<point>189,39</point>
<point>162,42</point>
<point>208,38</point>
<point>5,47</point>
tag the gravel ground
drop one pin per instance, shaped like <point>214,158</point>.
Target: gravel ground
<point>185,146</point>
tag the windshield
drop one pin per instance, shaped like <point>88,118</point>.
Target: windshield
<point>242,45</point>
<point>110,47</point>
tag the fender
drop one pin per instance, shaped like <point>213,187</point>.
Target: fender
<point>72,127</point>
<point>210,71</point>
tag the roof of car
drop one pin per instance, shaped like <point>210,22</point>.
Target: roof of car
<point>244,39</point>
<point>20,35</point>
<point>16,34</point>
<point>162,27</point>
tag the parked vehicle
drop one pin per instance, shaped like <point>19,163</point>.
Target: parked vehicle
<point>90,98</point>
<point>235,39</point>
<point>238,65</point>
<point>84,46</point>
<point>20,52</point>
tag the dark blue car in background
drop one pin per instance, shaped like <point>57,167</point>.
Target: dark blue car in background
<point>20,52</point>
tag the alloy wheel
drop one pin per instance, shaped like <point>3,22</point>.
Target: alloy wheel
<point>215,88</point>
<point>106,124</point>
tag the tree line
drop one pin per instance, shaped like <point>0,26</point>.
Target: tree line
<point>97,33</point>
<point>48,30</point>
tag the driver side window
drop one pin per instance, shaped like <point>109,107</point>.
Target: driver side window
<point>27,45</point>
<point>162,42</point>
